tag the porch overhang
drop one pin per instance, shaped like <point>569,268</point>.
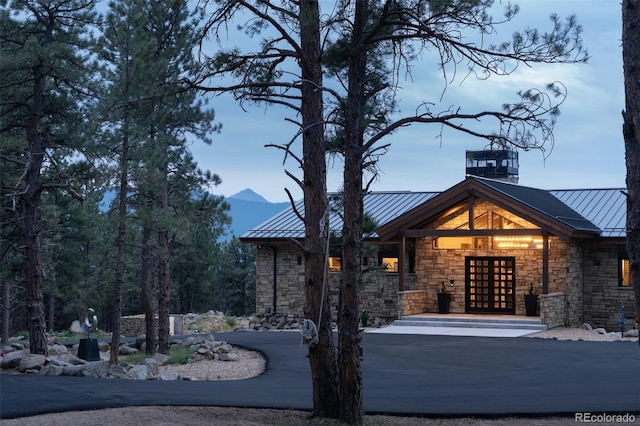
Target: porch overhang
<point>535,206</point>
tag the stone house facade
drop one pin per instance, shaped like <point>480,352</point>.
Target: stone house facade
<point>488,243</point>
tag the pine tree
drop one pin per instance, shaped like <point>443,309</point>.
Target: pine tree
<point>159,116</point>
<point>45,71</point>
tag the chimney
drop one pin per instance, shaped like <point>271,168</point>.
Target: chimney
<point>499,164</point>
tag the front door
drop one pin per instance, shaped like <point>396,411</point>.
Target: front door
<point>490,285</point>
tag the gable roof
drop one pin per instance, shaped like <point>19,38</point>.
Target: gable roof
<point>534,205</point>
<point>565,212</point>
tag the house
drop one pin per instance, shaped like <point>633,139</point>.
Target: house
<point>487,242</point>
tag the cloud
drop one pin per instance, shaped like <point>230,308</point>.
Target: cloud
<point>588,152</point>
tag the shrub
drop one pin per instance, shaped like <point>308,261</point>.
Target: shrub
<point>180,354</point>
<point>231,321</point>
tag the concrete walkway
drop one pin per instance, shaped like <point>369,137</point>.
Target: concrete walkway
<point>451,331</point>
<point>468,325</point>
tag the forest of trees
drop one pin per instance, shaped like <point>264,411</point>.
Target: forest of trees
<point>99,96</point>
<point>83,115</point>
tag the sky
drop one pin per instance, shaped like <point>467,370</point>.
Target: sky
<point>588,152</point>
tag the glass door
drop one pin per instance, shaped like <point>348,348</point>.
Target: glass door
<point>490,285</point>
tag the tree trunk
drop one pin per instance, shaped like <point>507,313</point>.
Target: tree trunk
<point>352,407</point>
<point>164,277</point>
<point>121,243</point>
<point>322,358</point>
<point>631,133</point>
<point>6,309</point>
<point>32,234</point>
<point>52,302</point>
<point>148,292</point>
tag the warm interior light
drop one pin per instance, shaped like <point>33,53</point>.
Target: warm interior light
<point>519,241</point>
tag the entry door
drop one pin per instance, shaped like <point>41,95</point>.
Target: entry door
<point>490,286</point>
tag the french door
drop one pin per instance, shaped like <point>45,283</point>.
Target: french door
<point>490,285</point>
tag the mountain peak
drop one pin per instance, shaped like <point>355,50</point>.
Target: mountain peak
<point>248,195</point>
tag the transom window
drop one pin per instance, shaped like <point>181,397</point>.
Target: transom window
<point>490,220</point>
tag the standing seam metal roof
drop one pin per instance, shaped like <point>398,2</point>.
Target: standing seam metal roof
<point>595,210</point>
<point>605,208</point>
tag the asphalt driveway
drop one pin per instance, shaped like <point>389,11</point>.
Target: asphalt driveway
<point>402,374</point>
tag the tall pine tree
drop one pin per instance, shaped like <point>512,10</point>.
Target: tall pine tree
<point>45,73</point>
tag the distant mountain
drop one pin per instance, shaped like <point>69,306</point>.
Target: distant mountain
<point>248,195</point>
<point>249,210</point>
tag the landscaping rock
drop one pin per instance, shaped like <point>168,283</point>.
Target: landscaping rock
<point>31,362</point>
<point>139,372</point>
<point>152,366</point>
<point>75,327</point>
<point>12,359</point>
<point>127,350</point>
<point>169,376</point>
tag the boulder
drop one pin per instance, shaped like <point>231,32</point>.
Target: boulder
<point>75,327</point>
<point>127,350</point>
<point>152,366</point>
<point>74,360</point>
<point>72,370</point>
<point>32,362</point>
<point>12,359</point>
<point>168,376</point>
<point>161,359</point>
<point>139,372</point>
<point>228,356</point>
<point>57,349</point>
<point>120,370</point>
<point>51,370</point>
<point>97,369</point>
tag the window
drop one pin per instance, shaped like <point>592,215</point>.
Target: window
<point>335,264</point>
<point>624,275</point>
<point>390,264</point>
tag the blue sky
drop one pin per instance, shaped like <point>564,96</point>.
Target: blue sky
<point>588,150</point>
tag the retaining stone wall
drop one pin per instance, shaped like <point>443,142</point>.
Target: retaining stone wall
<point>411,302</point>
<point>552,309</point>
<point>133,325</point>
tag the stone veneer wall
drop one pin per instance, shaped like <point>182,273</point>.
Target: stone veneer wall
<point>552,309</point>
<point>434,266</point>
<point>289,281</point>
<point>411,302</point>
<point>585,271</point>
<point>574,290</point>
<point>602,295</point>
<point>378,291</point>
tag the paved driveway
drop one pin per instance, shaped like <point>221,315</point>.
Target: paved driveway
<point>402,374</point>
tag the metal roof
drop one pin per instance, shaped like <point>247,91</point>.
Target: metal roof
<point>381,206</point>
<point>601,211</point>
<point>544,202</point>
<point>605,208</point>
